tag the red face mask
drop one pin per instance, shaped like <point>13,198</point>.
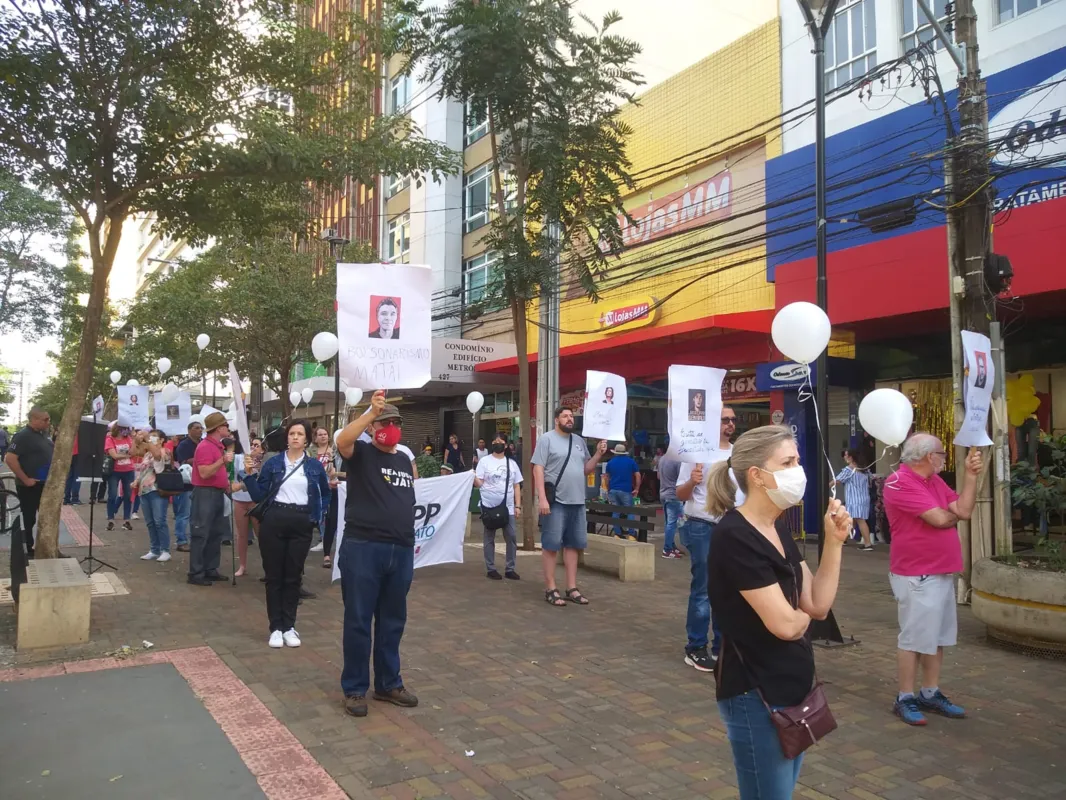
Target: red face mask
<point>389,436</point>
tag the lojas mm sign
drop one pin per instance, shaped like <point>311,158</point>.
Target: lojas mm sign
<point>684,209</point>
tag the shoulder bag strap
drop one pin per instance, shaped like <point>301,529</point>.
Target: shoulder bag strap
<point>276,489</point>
<point>566,461</point>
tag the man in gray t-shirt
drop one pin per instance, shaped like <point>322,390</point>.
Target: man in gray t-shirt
<point>562,459</point>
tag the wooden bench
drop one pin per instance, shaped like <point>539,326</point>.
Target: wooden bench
<point>643,519</point>
<point>53,608</point>
<point>629,560</point>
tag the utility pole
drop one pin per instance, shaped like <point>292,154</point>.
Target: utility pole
<point>548,344</point>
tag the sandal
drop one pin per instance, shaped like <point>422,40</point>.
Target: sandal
<point>326,563</point>
<point>574,596</point>
<point>552,597</point>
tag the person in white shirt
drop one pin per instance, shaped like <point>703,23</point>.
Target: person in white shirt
<point>696,538</point>
<point>499,478</point>
<point>480,451</point>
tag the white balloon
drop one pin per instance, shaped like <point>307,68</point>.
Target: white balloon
<point>307,394</point>
<point>353,395</point>
<point>133,382</point>
<point>474,402</point>
<point>203,340</point>
<point>887,415</point>
<point>115,376</point>
<point>324,346</point>
<point>169,393</point>
<point>801,331</point>
<point>163,365</point>
<point>197,418</point>
<point>294,398</point>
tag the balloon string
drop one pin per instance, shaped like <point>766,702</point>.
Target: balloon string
<point>804,393</point>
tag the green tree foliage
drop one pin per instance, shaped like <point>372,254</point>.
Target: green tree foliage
<point>207,114</point>
<point>31,285</point>
<point>260,301</point>
<point>551,87</point>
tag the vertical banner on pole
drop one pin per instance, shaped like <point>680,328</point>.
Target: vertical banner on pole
<point>384,325</point>
<point>239,411</point>
<point>695,412</point>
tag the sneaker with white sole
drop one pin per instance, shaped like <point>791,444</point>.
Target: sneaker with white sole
<point>135,516</point>
<point>317,548</point>
<point>164,556</point>
<point>291,638</point>
<point>149,556</point>
<point>277,640</point>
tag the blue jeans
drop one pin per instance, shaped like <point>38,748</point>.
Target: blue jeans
<point>673,509</point>
<point>763,772</point>
<point>564,528</point>
<point>72,491</point>
<point>155,518</point>
<point>375,578</point>
<point>182,509</point>
<point>618,497</point>
<point>696,537</point>
<point>113,500</point>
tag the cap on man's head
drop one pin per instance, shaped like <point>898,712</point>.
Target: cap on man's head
<point>619,449</point>
<point>390,412</point>
<point>446,469</point>
<point>216,419</point>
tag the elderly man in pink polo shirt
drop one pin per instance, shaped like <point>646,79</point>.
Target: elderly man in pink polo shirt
<point>922,514</point>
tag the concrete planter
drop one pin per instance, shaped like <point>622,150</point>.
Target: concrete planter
<point>1020,606</point>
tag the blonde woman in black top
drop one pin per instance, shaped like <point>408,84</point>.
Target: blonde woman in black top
<point>755,571</point>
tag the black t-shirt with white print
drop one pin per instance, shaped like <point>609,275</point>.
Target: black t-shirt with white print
<point>381,497</point>
<point>740,559</point>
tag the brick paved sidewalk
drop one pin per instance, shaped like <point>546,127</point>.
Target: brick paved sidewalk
<point>588,702</point>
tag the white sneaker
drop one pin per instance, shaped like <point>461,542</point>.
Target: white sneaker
<point>135,516</point>
<point>276,640</point>
<point>164,556</point>
<point>291,638</point>
<point>317,548</point>
<point>149,556</point>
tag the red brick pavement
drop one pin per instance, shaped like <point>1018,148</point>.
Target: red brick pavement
<point>590,702</point>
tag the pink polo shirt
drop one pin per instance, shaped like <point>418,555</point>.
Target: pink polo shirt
<point>917,547</point>
<point>208,452</point>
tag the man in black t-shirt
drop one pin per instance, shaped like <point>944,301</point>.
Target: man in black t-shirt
<point>30,458</point>
<point>376,558</point>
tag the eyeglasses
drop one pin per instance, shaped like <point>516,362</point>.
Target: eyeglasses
<point>384,423</point>
<point>729,420</point>
<point>940,453</point>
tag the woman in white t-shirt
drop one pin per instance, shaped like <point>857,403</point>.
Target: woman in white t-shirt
<point>491,477</point>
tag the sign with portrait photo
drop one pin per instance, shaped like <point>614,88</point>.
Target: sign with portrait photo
<point>695,411</point>
<point>384,325</point>
<point>173,418</point>
<point>980,375</point>
<point>605,406</point>
<point>133,406</point>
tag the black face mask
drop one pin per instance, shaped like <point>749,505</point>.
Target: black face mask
<point>498,447</point>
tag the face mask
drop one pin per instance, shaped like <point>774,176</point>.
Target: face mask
<point>498,447</point>
<point>791,485</point>
<point>389,436</point>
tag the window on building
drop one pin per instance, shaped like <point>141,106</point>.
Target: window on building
<point>477,275</point>
<point>916,28</point>
<point>477,191</point>
<point>400,239</point>
<point>1009,9</point>
<point>395,184</point>
<point>477,123</point>
<point>851,45</point>
<point>399,94</point>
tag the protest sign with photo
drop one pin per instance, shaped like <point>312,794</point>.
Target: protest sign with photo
<point>977,389</point>
<point>441,511</point>
<point>173,418</point>
<point>133,406</point>
<point>695,412</point>
<point>384,325</point>
<point>605,406</point>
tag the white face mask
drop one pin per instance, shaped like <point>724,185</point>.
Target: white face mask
<point>791,485</point>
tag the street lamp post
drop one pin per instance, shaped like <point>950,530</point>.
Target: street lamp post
<point>819,16</point>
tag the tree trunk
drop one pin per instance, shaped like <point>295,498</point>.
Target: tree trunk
<point>529,518</point>
<point>47,545</point>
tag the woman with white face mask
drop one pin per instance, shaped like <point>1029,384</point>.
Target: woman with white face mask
<point>764,597</point>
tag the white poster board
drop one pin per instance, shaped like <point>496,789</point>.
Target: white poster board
<point>441,511</point>
<point>173,418</point>
<point>238,410</point>
<point>384,325</point>
<point>695,412</point>
<point>98,405</point>
<point>977,389</point>
<point>133,406</point>
<point>605,406</point>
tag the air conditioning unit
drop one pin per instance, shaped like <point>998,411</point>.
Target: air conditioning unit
<point>328,234</point>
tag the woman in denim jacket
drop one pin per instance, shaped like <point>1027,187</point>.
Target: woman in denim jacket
<point>299,489</point>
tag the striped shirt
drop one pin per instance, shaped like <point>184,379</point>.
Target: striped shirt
<point>856,491</point>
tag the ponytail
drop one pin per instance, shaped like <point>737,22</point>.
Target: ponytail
<point>721,492</point>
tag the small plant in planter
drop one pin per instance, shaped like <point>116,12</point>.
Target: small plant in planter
<point>1043,487</point>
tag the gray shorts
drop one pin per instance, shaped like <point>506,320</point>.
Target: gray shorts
<point>565,527</point>
<point>927,616</point>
